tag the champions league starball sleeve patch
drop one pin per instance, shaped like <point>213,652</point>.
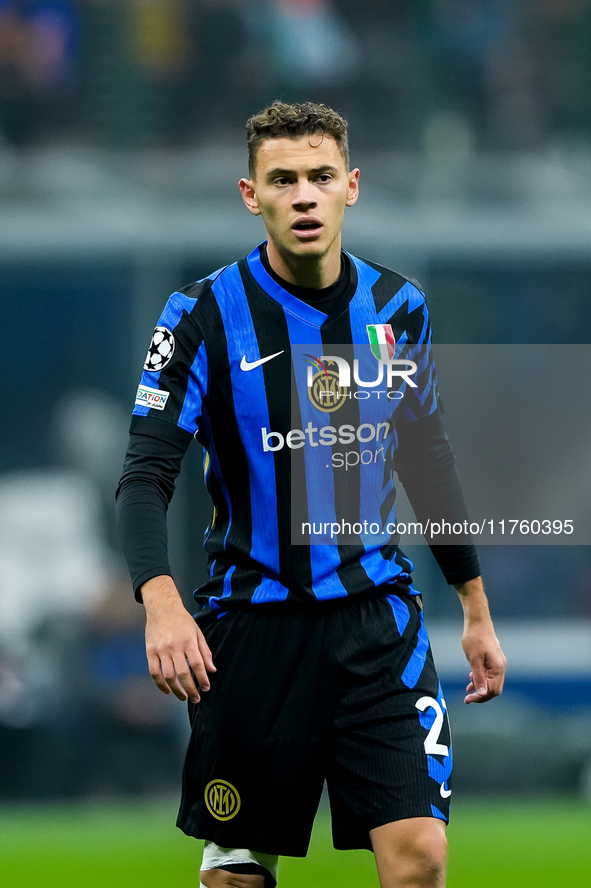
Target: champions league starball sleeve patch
<point>161,350</point>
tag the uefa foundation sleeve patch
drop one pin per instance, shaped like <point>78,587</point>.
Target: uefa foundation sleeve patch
<point>151,397</point>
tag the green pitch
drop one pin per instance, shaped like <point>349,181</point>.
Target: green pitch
<point>514,844</point>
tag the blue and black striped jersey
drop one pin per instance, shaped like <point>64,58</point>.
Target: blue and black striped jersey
<point>231,363</point>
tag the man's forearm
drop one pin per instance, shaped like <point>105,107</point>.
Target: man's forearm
<point>481,645</point>
<point>427,468</point>
<point>474,601</point>
<point>141,521</point>
<point>160,594</point>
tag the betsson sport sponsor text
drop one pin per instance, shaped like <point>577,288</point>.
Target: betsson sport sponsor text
<point>346,434</point>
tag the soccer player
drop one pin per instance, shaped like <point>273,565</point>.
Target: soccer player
<point>323,670</point>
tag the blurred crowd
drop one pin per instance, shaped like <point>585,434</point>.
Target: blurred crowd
<point>79,714</point>
<point>134,73</point>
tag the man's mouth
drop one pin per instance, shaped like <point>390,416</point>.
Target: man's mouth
<point>307,226</point>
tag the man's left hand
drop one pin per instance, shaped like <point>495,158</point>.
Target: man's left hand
<point>480,644</point>
<point>487,663</point>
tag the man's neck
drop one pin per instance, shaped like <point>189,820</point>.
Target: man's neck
<point>316,273</point>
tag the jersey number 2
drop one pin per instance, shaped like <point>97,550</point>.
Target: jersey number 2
<point>432,747</point>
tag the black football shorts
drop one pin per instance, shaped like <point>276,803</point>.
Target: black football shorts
<point>346,694</point>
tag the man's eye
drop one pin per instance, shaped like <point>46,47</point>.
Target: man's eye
<point>282,180</point>
<point>324,177</point>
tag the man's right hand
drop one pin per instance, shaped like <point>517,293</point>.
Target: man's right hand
<point>178,655</point>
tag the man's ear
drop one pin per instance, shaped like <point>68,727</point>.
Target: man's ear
<point>353,192</point>
<point>249,196</point>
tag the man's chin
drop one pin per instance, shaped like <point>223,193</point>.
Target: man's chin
<point>309,250</point>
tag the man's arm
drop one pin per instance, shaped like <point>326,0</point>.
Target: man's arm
<point>480,644</point>
<point>178,655</point>
<point>428,471</point>
<point>174,643</point>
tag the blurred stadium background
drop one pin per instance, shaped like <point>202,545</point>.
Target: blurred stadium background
<point>121,142</point>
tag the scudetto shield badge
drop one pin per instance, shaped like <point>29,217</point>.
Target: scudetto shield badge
<point>381,341</point>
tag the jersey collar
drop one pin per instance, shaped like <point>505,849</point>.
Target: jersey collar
<point>275,291</point>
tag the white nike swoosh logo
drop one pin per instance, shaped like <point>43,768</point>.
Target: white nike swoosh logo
<point>247,365</point>
<point>445,793</point>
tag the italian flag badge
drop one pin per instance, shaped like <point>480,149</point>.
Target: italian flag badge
<point>381,341</point>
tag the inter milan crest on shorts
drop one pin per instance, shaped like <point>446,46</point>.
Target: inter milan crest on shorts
<point>222,799</point>
<point>161,350</point>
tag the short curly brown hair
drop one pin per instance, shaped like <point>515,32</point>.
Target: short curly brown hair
<point>281,120</point>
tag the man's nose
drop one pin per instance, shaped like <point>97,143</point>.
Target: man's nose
<point>303,194</point>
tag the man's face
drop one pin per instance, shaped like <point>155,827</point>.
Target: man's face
<point>301,188</point>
